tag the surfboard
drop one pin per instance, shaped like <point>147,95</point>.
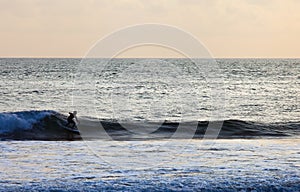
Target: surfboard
<point>75,130</point>
<point>63,125</point>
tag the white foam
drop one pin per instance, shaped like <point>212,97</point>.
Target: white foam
<point>20,120</point>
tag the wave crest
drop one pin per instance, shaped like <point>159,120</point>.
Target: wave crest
<point>33,125</point>
<point>49,125</point>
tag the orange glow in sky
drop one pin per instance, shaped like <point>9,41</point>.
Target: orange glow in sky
<point>231,28</point>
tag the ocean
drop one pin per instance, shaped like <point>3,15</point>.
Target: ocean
<point>150,124</point>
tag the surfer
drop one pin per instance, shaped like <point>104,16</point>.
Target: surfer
<point>71,118</point>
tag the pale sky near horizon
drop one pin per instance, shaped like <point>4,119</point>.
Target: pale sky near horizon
<point>228,28</point>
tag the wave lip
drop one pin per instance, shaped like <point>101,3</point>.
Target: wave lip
<point>33,125</point>
<point>49,125</point>
<point>25,120</point>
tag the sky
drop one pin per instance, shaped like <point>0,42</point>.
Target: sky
<point>227,28</point>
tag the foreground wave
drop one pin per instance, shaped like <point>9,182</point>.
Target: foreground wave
<point>49,125</point>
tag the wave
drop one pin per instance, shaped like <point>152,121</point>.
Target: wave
<point>49,125</point>
<point>33,125</point>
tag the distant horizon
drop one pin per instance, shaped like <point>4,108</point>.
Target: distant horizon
<point>33,57</point>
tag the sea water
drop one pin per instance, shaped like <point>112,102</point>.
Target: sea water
<point>141,104</point>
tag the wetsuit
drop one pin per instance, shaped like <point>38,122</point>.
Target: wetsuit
<point>70,120</point>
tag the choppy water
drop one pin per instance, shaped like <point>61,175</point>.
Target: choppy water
<point>254,89</point>
<point>228,165</point>
<point>142,103</point>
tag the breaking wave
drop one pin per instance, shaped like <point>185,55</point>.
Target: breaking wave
<point>49,125</point>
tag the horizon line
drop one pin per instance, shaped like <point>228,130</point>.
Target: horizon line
<point>69,57</point>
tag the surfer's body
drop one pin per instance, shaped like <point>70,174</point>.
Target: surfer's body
<point>71,118</point>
